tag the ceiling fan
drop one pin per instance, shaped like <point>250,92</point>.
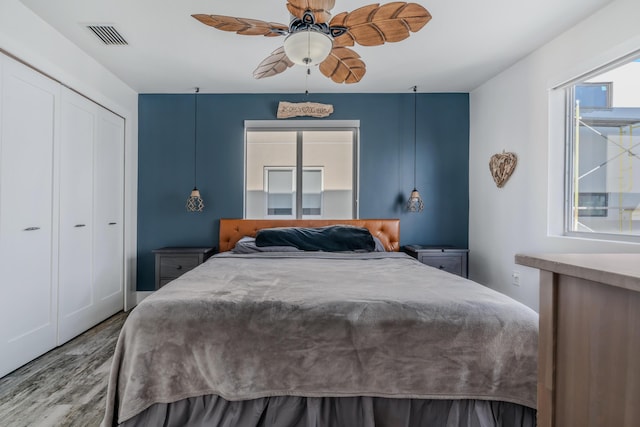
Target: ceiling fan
<point>315,38</point>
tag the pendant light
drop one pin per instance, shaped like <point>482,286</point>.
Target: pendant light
<point>194,202</point>
<point>414,204</point>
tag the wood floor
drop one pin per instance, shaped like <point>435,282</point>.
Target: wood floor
<point>64,387</point>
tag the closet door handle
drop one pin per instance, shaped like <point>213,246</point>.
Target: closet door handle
<point>112,223</point>
<point>32,228</point>
<point>80,225</point>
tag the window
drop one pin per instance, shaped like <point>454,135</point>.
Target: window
<point>603,153</point>
<point>280,190</point>
<point>281,158</point>
<point>312,192</point>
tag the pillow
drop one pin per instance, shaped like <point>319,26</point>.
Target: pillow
<point>247,245</point>
<point>379,246</point>
<point>333,238</point>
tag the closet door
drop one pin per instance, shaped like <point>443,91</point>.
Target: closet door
<point>77,299</point>
<point>108,251</point>
<point>28,298</point>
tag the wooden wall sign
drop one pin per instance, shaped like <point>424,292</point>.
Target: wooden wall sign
<point>502,166</point>
<point>312,109</point>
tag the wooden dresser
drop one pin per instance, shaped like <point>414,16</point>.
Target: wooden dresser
<point>589,343</point>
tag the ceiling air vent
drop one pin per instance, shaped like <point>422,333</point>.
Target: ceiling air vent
<point>108,34</point>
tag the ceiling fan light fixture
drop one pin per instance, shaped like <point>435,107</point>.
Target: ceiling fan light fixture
<point>308,47</point>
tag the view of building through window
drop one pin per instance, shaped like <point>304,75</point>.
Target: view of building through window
<point>603,153</point>
<point>321,162</point>
<point>280,184</point>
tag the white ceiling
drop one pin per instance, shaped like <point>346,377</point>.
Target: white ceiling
<point>465,44</point>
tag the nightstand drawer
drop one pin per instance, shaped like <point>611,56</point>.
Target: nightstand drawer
<point>446,258</point>
<point>450,264</point>
<point>173,262</point>
<point>175,266</point>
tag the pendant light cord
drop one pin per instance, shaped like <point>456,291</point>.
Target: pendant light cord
<point>195,138</point>
<point>415,120</point>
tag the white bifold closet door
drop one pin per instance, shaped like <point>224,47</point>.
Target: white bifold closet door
<point>28,291</point>
<point>91,204</point>
<point>108,214</point>
<point>61,214</point>
<point>76,293</point>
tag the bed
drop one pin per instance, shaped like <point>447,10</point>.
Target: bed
<point>295,337</point>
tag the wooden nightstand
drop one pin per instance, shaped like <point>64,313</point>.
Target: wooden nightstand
<point>172,263</point>
<point>445,258</point>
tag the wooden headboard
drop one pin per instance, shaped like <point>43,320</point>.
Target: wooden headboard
<point>232,230</point>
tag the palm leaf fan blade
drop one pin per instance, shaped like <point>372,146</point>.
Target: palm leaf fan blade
<point>415,16</point>
<point>243,26</point>
<point>343,65</point>
<point>320,8</point>
<point>257,28</point>
<point>374,25</point>
<point>344,39</point>
<point>274,64</point>
<point>224,23</point>
<point>395,23</point>
<point>321,4</point>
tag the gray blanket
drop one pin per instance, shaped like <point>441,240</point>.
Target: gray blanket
<point>313,324</point>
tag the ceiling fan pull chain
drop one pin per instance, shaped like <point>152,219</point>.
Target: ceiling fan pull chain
<point>306,81</point>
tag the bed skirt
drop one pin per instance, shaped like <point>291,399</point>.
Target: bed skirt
<point>291,411</point>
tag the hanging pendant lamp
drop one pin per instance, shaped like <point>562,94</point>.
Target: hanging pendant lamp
<point>415,203</point>
<point>194,202</point>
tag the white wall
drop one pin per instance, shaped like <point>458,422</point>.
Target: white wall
<point>517,111</point>
<point>28,38</point>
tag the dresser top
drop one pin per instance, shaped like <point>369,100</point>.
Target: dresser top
<point>183,250</point>
<point>615,269</point>
<point>433,248</point>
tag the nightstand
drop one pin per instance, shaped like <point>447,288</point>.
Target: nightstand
<point>445,258</point>
<point>172,263</point>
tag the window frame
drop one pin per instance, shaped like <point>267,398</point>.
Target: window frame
<point>569,198</point>
<point>301,126</point>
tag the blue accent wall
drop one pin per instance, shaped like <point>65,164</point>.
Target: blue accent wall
<point>166,155</point>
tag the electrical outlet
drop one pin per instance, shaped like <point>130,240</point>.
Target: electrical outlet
<point>515,278</point>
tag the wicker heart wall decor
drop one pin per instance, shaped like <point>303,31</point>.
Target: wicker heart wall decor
<point>502,166</point>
